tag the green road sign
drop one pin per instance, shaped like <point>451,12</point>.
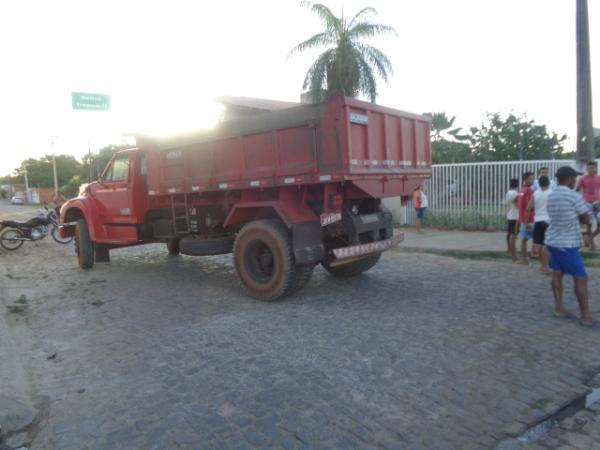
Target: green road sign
<point>90,102</point>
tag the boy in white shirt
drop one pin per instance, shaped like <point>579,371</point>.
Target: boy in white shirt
<point>512,218</point>
<point>538,204</point>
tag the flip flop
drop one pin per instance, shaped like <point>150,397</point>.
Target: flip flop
<point>565,316</point>
<point>594,324</point>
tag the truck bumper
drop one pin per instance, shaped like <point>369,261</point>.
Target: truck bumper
<point>344,254</point>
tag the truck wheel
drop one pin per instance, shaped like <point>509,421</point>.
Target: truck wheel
<point>206,245</point>
<point>354,268</point>
<point>84,247</point>
<point>264,261</point>
<point>173,246</point>
<point>302,275</point>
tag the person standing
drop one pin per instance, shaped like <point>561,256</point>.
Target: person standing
<point>525,217</point>
<point>542,172</point>
<point>58,201</point>
<point>421,205</point>
<point>589,185</point>
<point>567,210</point>
<point>539,204</point>
<point>512,218</point>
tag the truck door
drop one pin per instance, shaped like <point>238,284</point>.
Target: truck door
<point>114,191</point>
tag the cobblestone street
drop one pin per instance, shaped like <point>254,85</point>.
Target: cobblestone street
<point>153,351</point>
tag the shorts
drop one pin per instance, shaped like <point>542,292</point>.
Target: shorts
<point>567,260</point>
<point>524,233</point>
<point>593,209</point>
<point>539,232</point>
<point>420,212</point>
<point>512,227</point>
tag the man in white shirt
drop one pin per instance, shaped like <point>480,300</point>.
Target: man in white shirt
<point>512,218</point>
<point>542,172</point>
<point>567,211</point>
<point>538,204</point>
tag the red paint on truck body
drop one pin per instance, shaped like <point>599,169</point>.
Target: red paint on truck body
<point>280,164</point>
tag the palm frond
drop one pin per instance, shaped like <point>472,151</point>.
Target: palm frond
<point>366,30</point>
<point>362,14</point>
<point>316,76</point>
<point>333,23</point>
<point>318,40</point>
<point>367,83</point>
<point>377,59</point>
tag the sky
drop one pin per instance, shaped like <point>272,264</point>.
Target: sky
<point>162,62</point>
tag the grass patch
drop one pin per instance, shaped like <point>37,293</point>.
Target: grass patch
<point>22,299</point>
<point>16,309</point>
<point>461,254</point>
<point>467,219</point>
<point>591,259</point>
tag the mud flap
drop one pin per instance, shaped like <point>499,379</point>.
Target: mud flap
<point>307,239</point>
<point>102,253</point>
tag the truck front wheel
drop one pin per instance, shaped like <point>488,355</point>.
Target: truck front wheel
<point>264,261</point>
<point>353,268</point>
<point>84,246</point>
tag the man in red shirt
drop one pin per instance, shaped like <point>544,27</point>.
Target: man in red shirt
<point>525,217</point>
<point>589,186</point>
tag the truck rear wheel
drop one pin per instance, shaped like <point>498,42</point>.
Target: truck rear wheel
<point>173,246</point>
<point>353,268</point>
<point>264,261</point>
<point>84,246</point>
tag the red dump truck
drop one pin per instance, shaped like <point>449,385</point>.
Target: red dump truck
<point>282,191</point>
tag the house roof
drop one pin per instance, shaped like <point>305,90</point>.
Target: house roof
<point>258,104</point>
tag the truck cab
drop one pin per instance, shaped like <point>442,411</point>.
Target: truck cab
<point>120,192</point>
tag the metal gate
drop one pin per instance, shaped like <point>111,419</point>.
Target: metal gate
<point>470,194</point>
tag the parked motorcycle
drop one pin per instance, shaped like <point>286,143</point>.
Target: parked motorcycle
<point>13,234</point>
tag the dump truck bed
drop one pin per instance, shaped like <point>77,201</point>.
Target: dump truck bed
<point>344,139</point>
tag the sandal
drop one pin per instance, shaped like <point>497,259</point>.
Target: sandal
<point>594,324</point>
<point>565,316</point>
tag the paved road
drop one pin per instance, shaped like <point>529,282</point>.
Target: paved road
<point>17,212</point>
<point>155,351</point>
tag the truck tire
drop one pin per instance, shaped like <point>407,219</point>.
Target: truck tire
<point>354,268</point>
<point>84,246</point>
<point>302,275</point>
<point>264,261</point>
<point>173,246</point>
<point>206,246</point>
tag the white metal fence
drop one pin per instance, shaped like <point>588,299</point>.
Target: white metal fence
<point>470,194</point>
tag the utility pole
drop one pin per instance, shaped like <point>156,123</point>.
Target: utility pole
<point>27,194</point>
<point>585,130</point>
<point>52,139</point>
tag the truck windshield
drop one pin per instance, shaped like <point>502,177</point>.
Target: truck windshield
<point>119,169</point>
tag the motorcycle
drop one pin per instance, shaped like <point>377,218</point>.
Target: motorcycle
<point>13,234</point>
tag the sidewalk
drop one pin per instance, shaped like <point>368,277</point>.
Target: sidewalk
<point>453,240</point>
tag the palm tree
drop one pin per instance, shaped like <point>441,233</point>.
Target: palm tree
<point>441,125</point>
<point>347,64</point>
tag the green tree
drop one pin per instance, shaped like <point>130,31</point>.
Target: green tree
<point>514,138</point>
<point>442,128</point>
<point>40,172</point>
<point>447,146</point>
<point>347,64</point>
<point>449,152</point>
<point>99,161</point>
<point>71,189</point>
